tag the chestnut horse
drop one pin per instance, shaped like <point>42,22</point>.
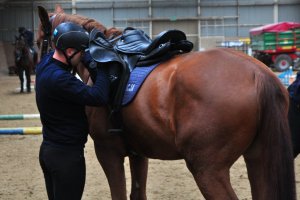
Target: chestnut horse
<point>24,61</point>
<point>208,108</point>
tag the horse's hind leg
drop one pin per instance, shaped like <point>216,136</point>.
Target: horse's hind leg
<point>28,80</point>
<point>209,161</point>
<point>21,77</point>
<point>213,181</point>
<point>139,171</point>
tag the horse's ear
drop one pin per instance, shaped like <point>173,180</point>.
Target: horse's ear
<point>44,17</point>
<point>58,9</point>
<point>43,14</point>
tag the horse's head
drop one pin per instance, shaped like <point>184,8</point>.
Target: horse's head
<point>44,30</point>
<point>45,27</point>
<point>48,22</point>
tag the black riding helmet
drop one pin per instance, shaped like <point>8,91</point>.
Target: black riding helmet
<point>21,30</point>
<point>70,35</point>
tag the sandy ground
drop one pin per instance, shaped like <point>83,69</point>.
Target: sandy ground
<point>21,176</point>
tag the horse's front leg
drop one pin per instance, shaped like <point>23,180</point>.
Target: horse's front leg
<point>110,153</point>
<point>28,80</point>
<point>139,172</point>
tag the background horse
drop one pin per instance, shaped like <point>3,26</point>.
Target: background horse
<point>208,108</point>
<point>24,61</point>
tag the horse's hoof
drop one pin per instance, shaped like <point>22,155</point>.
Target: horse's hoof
<point>21,91</point>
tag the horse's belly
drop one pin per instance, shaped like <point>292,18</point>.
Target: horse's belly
<point>152,145</point>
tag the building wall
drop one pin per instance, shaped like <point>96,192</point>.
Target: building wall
<point>201,20</point>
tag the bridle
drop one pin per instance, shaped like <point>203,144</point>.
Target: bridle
<point>46,41</point>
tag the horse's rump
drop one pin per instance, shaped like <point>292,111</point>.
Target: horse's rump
<point>219,103</point>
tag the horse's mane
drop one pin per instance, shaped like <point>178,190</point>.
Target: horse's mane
<point>85,22</point>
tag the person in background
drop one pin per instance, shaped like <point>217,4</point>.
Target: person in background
<point>28,35</point>
<point>61,99</point>
<point>294,114</point>
<point>29,38</point>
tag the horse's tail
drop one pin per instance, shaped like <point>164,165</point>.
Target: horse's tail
<point>274,140</point>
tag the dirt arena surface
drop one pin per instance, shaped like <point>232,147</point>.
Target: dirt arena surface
<point>21,177</point>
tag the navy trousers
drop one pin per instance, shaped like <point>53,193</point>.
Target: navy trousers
<point>64,172</point>
<point>294,121</point>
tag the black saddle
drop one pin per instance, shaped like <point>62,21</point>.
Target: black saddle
<point>135,48</point>
<point>135,41</point>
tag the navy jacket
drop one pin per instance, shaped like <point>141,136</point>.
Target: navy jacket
<point>294,89</point>
<point>29,37</point>
<point>61,100</point>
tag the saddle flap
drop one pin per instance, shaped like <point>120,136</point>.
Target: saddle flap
<point>101,49</point>
<point>133,41</point>
<point>99,38</point>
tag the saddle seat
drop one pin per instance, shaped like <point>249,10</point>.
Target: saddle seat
<point>135,41</point>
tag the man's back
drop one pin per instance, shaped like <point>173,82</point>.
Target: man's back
<point>29,37</point>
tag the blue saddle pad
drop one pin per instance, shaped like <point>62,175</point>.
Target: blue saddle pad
<point>136,79</point>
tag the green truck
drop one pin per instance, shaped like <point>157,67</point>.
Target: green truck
<point>277,45</point>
